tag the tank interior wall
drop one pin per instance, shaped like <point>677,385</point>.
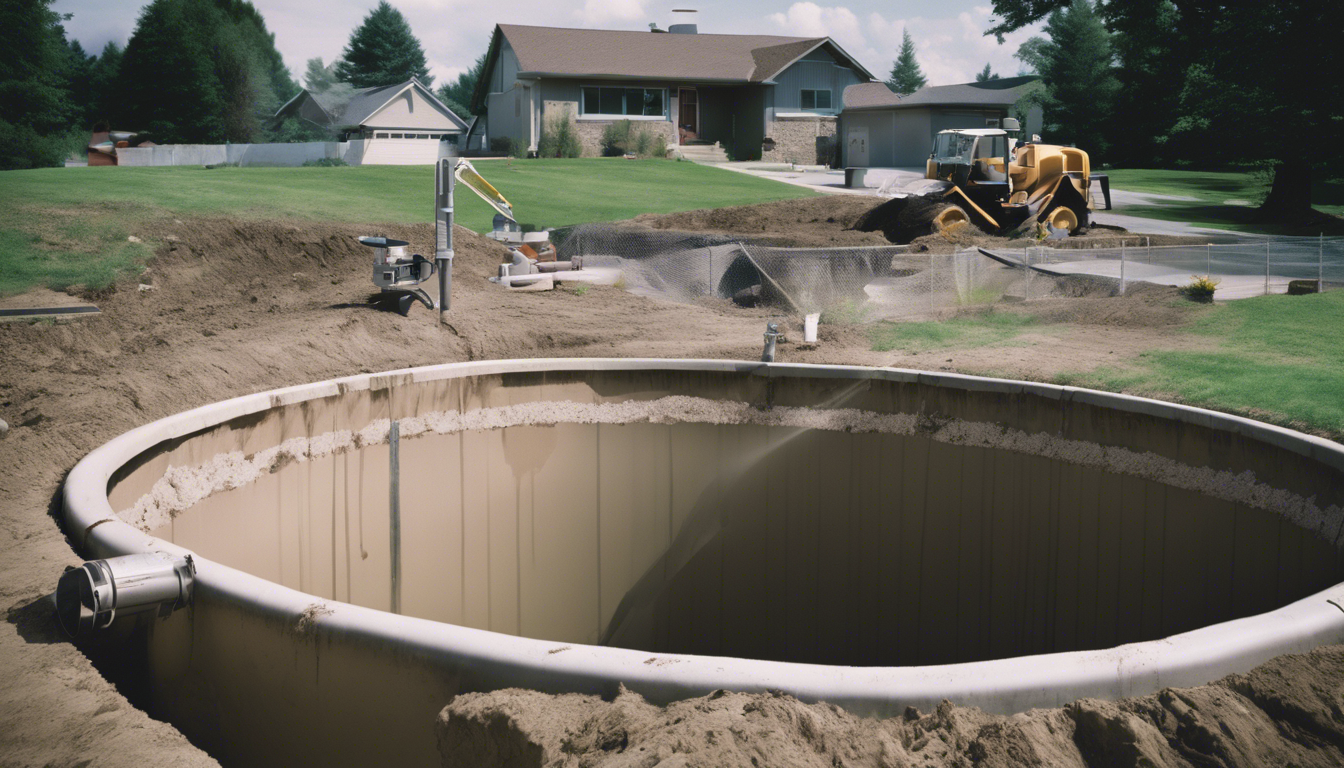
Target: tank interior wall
<point>826,547</point>
<point>893,549</point>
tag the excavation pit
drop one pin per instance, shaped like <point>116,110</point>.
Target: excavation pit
<point>873,538</point>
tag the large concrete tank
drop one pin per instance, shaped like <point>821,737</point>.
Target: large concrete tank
<point>873,538</point>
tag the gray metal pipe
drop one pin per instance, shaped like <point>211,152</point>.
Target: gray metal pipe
<point>444,183</point>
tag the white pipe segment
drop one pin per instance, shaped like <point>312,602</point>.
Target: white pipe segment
<point>260,673</point>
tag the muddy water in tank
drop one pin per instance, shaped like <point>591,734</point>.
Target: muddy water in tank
<point>747,540</point>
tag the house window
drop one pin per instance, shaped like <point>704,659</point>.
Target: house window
<point>643,102</point>
<point>816,100</point>
<point>380,135</point>
<point>396,135</point>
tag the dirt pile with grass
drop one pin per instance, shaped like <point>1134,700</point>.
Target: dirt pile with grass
<point>814,221</point>
<point>1284,712</point>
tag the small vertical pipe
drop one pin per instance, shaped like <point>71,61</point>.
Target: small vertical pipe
<point>444,182</point>
<point>1320,263</point>
<point>1122,267</point>
<point>394,507</point>
<point>1208,261</point>
<point>1266,267</point>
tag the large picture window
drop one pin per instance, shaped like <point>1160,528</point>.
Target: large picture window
<point>816,100</point>
<point>639,102</point>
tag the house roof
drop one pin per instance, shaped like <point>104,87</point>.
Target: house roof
<point>1003,92</point>
<point>348,107</point>
<point>869,96</point>
<point>622,54</point>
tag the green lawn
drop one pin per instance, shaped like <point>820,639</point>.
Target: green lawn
<point>61,226</point>
<point>1281,359</point>
<point>990,328</point>
<point>1212,192</point>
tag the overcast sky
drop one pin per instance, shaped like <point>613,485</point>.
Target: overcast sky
<point>948,34</point>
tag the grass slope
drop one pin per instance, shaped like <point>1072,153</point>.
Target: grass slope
<point>1281,360</point>
<point>988,329</point>
<point>64,226</point>
<point>1211,192</point>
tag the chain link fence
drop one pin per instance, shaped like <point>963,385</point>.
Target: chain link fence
<point>862,284</point>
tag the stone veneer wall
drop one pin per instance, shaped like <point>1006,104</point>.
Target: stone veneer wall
<point>796,139</point>
<point>590,131</point>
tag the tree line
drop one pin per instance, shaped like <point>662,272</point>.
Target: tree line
<point>1197,84</point>
<point>192,72</point>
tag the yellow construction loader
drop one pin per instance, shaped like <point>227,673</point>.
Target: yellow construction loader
<point>986,177</point>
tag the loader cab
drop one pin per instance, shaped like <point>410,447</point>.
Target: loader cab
<point>973,159</point>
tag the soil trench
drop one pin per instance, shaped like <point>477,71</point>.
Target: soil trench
<point>239,307</point>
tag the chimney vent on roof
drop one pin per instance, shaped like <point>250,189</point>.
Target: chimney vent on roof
<point>684,28</point>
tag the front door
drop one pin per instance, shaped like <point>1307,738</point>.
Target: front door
<point>857,141</point>
<point>688,115</point>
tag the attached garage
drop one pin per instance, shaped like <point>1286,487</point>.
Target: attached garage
<point>881,129</point>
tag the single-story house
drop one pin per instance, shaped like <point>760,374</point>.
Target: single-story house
<point>756,95</point>
<point>882,129</point>
<point>399,124</point>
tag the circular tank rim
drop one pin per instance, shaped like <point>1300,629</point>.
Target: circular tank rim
<point>1000,685</point>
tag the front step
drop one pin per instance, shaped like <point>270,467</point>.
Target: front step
<point>702,153</point>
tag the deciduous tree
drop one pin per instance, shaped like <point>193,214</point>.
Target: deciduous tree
<point>1076,64</point>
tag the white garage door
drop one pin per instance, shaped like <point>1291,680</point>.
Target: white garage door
<point>401,152</point>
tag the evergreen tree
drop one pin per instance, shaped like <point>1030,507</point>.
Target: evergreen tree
<point>104,85</point>
<point>985,75</point>
<point>383,51</point>
<point>457,94</point>
<point>906,76</point>
<point>78,74</point>
<point>35,108</point>
<point>167,74</point>
<point>202,71</point>
<point>1077,66</point>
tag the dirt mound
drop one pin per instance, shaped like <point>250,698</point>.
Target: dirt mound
<point>840,220</point>
<point>902,219</point>
<point>1282,713</point>
<point>813,221</point>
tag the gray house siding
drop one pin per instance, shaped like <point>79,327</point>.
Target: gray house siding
<point>739,117</point>
<point>900,138</point>
<point>879,128</point>
<point>812,75</point>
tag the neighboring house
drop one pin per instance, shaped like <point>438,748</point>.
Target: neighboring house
<point>756,95</point>
<point>400,124</point>
<point>880,129</point>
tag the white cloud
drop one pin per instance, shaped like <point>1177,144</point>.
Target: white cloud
<point>951,49</point>
<point>606,11</point>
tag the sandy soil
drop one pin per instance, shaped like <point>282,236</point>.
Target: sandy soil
<point>1284,712</point>
<point>245,307</point>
